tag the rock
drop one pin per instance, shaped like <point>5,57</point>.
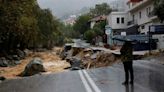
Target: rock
<point>15,57</point>
<point>26,51</point>
<point>3,62</point>
<point>63,55</point>
<point>20,53</point>
<point>94,56</point>
<point>17,62</point>
<point>87,55</point>
<point>75,63</point>
<point>34,67</point>
<point>9,57</point>
<point>41,50</point>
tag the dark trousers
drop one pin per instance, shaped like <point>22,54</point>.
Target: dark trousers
<point>128,68</point>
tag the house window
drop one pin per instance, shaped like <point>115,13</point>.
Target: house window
<point>118,20</point>
<point>140,15</point>
<point>133,17</point>
<point>122,20</point>
<point>147,11</point>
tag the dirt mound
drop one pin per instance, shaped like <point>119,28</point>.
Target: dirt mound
<point>104,59</point>
<point>100,59</point>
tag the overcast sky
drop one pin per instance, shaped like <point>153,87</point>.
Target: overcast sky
<point>62,7</point>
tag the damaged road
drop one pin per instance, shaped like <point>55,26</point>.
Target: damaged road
<point>148,78</point>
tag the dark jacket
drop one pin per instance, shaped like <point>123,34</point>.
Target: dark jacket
<point>127,52</point>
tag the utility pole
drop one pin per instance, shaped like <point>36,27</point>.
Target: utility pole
<point>149,42</point>
<point>151,29</point>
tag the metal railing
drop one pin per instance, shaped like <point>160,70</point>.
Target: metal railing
<point>132,22</point>
<point>151,14</point>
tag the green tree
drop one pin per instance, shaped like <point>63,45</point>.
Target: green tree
<point>48,25</point>
<point>159,9</point>
<point>81,24</point>
<point>69,32</point>
<point>89,35</point>
<point>100,9</point>
<point>23,24</point>
<point>17,23</point>
<point>99,28</point>
<point>97,31</point>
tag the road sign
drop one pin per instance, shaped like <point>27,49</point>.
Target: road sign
<point>108,31</point>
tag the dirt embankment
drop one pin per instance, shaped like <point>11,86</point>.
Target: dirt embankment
<point>51,62</point>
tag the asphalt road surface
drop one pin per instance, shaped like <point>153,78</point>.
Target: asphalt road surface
<point>148,78</point>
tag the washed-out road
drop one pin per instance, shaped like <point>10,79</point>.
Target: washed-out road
<point>149,77</point>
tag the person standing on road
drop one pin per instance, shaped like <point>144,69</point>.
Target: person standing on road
<point>127,59</point>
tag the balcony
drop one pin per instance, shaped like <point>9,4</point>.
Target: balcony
<point>152,15</point>
<point>132,22</point>
<point>140,5</point>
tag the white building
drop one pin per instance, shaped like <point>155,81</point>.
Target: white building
<point>141,14</point>
<point>138,18</point>
<point>71,20</point>
<point>96,20</point>
<point>117,21</point>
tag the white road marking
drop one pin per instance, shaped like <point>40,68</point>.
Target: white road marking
<point>94,86</point>
<point>87,87</point>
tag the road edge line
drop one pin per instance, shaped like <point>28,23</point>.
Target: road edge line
<point>94,86</point>
<point>84,81</point>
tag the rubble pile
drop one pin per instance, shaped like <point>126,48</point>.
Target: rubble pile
<point>13,58</point>
<point>89,58</point>
<point>104,59</point>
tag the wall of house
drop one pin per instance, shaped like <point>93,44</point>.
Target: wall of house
<point>141,16</point>
<point>112,20</point>
<point>92,24</point>
<point>160,43</point>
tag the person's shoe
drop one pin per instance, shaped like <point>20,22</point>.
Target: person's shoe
<point>125,83</point>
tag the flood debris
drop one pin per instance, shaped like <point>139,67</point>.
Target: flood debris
<point>34,67</point>
<point>75,63</point>
<point>104,59</point>
<point>65,51</point>
<point>87,58</point>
